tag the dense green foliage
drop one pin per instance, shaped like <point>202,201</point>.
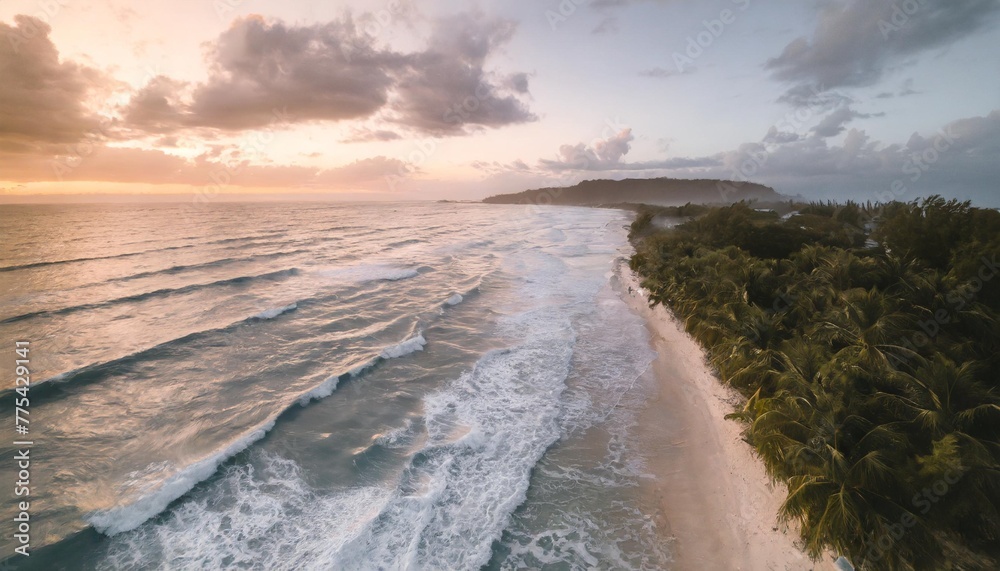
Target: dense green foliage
<point>871,368</point>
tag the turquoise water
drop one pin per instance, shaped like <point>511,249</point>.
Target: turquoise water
<point>314,386</point>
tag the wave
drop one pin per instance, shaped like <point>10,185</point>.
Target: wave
<point>471,290</point>
<point>89,259</point>
<point>275,312</point>
<point>401,349</point>
<point>402,243</point>
<point>321,391</point>
<point>204,265</point>
<point>125,518</point>
<point>281,274</point>
<point>395,436</point>
<point>370,273</point>
<point>411,345</point>
<point>275,521</point>
<point>486,431</point>
<point>128,517</point>
<point>243,238</point>
<point>94,371</point>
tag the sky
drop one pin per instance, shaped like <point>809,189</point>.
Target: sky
<point>397,100</point>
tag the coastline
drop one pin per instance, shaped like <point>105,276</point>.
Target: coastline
<point>711,495</point>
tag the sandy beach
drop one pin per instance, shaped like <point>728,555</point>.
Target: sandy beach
<point>712,496</point>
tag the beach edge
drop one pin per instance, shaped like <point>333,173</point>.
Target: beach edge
<point>712,498</point>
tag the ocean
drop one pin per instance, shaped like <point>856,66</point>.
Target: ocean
<point>325,386</point>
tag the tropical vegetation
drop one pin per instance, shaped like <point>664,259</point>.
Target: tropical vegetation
<point>865,339</point>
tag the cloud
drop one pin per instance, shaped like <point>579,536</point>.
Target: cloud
<point>333,72</point>
<point>43,100</point>
<point>958,160</point>
<point>446,89</point>
<point>813,96</point>
<point>323,72</point>
<point>834,123</point>
<point>855,39</point>
<point>366,135</point>
<point>155,107</point>
<point>603,154</point>
<point>607,154</point>
<point>132,165</point>
<point>498,168</point>
<point>659,72</point>
<point>780,137</point>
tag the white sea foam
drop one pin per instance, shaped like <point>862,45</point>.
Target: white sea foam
<point>411,345</point>
<point>275,312</point>
<point>582,515</point>
<point>253,519</point>
<point>485,432</point>
<point>358,370</point>
<point>128,517</point>
<point>392,438</point>
<point>401,349</point>
<point>322,391</point>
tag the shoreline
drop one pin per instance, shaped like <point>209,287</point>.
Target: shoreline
<point>710,493</point>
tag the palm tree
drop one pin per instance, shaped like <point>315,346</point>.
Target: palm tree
<point>847,497</point>
<point>871,332</point>
<point>842,475</point>
<point>958,418</point>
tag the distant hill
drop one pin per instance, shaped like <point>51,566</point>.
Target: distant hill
<point>658,191</point>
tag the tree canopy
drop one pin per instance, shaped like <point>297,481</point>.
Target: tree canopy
<point>866,340</point>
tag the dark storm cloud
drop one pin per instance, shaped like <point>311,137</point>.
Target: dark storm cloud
<point>334,71</point>
<point>855,39</point>
<point>42,99</point>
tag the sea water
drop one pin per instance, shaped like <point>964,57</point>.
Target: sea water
<point>326,386</point>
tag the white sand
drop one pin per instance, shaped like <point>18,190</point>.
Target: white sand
<point>714,498</point>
